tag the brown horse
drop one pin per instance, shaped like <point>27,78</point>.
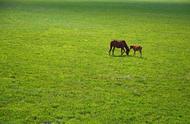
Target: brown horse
<point>136,48</point>
<point>119,44</point>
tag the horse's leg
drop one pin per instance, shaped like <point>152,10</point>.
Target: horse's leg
<point>122,51</point>
<point>113,50</point>
<point>110,49</point>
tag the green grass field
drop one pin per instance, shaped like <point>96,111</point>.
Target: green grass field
<point>55,67</point>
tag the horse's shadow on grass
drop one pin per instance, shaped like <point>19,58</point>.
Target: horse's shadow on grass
<point>128,56</point>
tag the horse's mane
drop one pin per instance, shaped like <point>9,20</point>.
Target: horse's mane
<point>126,46</point>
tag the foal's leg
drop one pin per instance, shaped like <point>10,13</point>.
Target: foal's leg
<point>140,52</point>
<point>113,50</point>
<point>134,52</point>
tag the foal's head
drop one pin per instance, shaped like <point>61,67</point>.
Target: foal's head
<point>131,47</point>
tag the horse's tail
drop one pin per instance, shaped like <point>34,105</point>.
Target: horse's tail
<point>110,48</point>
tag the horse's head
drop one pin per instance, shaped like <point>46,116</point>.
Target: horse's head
<point>127,51</point>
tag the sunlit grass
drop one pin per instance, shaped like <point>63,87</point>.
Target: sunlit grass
<point>55,67</point>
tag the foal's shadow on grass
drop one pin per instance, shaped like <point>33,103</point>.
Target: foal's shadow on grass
<point>138,57</point>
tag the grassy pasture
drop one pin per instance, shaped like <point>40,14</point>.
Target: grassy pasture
<point>54,63</point>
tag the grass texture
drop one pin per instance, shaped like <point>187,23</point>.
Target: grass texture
<point>55,67</point>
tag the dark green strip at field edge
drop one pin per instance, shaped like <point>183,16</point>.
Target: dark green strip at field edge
<point>99,6</point>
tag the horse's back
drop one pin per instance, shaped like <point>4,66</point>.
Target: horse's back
<point>117,43</point>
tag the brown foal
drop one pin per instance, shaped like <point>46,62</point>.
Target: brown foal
<point>136,48</point>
